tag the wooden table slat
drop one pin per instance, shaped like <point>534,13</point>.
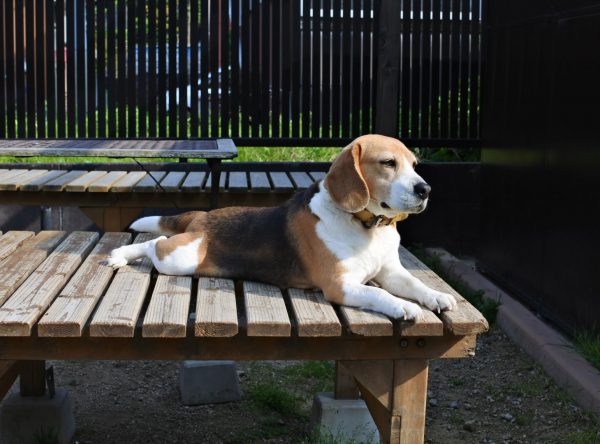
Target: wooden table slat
<point>10,241</point>
<point>314,315</point>
<point>281,182</point>
<point>317,175</point>
<point>60,183</point>
<point>216,308</point>
<point>120,307</point>
<point>172,181</point>
<point>238,181</point>
<point>259,182</point>
<point>150,182</point>
<point>105,183</point>
<point>38,183</point>
<point>69,313</point>
<point>429,325</point>
<point>10,174</point>
<point>366,323</point>
<point>167,313</point>
<point>301,179</point>
<point>222,180</point>
<point>266,313</point>
<point>465,319</point>
<point>14,183</point>
<point>32,298</point>
<point>193,182</point>
<point>15,268</point>
<point>82,182</point>
<point>126,184</point>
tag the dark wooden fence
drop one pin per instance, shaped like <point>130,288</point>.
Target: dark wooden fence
<point>289,72</point>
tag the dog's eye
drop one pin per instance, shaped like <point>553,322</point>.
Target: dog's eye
<point>389,163</point>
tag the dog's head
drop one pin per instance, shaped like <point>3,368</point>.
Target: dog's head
<point>377,173</point>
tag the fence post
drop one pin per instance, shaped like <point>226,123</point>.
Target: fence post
<point>388,68</point>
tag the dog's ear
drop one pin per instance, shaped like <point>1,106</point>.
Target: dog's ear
<point>345,182</point>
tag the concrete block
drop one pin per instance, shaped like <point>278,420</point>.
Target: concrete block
<point>33,418</point>
<point>343,420</point>
<point>209,382</point>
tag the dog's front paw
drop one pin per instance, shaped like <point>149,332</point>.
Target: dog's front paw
<point>116,259</point>
<point>405,310</point>
<point>438,301</point>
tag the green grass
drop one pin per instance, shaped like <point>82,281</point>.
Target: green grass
<point>271,397</point>
<point>588,344</point>
<point>487,307</point>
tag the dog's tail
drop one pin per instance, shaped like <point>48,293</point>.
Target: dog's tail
<point>166,225</point>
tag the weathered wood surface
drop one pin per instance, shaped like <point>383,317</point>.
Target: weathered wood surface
<point>216,308</point>
<point>82,182</point>
<point>205,149</point>
<point>60,183</point>
<point>118,311</point>
<point>172,181</point>
<point>167,314</point>
<point>16,182</point>
<point>314,315</point>
<point>10,241</point>
<point>193,182</point>
<point>126,184</point>
<point>72,308</point>
<point>150,182</point>
<point>465,319</point>
<point>38,183</point>
<point>265,310</point>
<point>259,182</point>
<point>105,183</point>
<point>366,323</point>
<point>281,182</point>
<point>33,297</point>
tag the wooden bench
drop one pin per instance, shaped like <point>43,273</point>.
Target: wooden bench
<point>113,195</point>
<point>59,301</point>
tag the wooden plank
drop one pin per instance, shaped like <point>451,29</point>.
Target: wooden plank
<point>193,182</point>
<point>27,304</point>
<point>216,310</point>
<point>167,313</point>
<point>172,181</point>
<point>70,311</point>
<point>118,311</point>
<point>317,175</point>
<point>314,315</point>
<point>281,182</point>
<point>222,179</point>
<point>104,184</point>
<point>150,182</point>
<point>16,182</point>
<point>82,182</point>
<point>409,401</point>
<point>9,370</point>
<point>266,313</point>
<point>366,323</point>
<point>259,182</point>
<point>10,241</point>
<point>37,183</point>
<point>429,325</point>
<point>238,181</point>
<point>464,319</point>
<point>301,179</point>
<point>61,182</point>
<point>10,174</point>
<point>19,265</point>
<point>126,184</point>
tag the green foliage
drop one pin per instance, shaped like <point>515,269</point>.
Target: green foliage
<point>487,307</point>
<point>319,436</point>
<point>271,397</point>
<point>588,344</point>
<point>449,154</point>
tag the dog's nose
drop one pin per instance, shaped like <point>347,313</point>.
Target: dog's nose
<point>422,190</point>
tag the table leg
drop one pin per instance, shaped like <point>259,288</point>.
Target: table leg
<point>214,166</point>
<point>33,378</point>
<point>345,386</point>
<point>9,370</point>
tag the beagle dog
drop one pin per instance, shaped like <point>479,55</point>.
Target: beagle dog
<point>336,235</point>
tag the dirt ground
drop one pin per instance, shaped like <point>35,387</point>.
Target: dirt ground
<point>500,396</point>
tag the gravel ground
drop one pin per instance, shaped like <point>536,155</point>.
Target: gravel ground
<point>499,396</point>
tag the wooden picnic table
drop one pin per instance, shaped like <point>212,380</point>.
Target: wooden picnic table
<point>213,150</point>
<point>58,300</point>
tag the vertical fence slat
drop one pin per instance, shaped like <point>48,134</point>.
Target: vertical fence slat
<point>235,68</point>
<point>356,23</point>
<point>60,68</point>
<point>285,30</point>
<point>182,42</point>
<point>141,71</point>
<point>475,54</point>
<point>445,81</point>
<point>162,68</point>
<point>122,67</point>
<point>10,68</point>
<point>426,71</point>
<point>80,25</point>
<point>3,60</point>
<point>326,54</point>
<point>335,67</point>
<point>435,69</point>
<point>20,67</point>
<point>306,55</point>
<point>101,69</point>
<point>92,73</point>
<point>276,69</point>
<point>152,99</point>
<point>71,69</point>
<point>111,54</point>
<point>214,68</point>
<point>172,69</point>
<point>365,67</point>
<point>295,68</point>
<point>40,68</point>
<point>346,85</point>
<point>225,66</point>
<point>254,97</point>
<point>194,68</point>
<point>204,68</point>
<point>30,69</point>
<point>315,80</point>
<point>455,69</point>
<point>130,82</point>
<point>405,69</point>
<point>264,60</point>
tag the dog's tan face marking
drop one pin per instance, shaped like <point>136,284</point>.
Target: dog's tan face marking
<point>377,173</point>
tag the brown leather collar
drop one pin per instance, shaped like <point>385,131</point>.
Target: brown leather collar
<point>370,220</point>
